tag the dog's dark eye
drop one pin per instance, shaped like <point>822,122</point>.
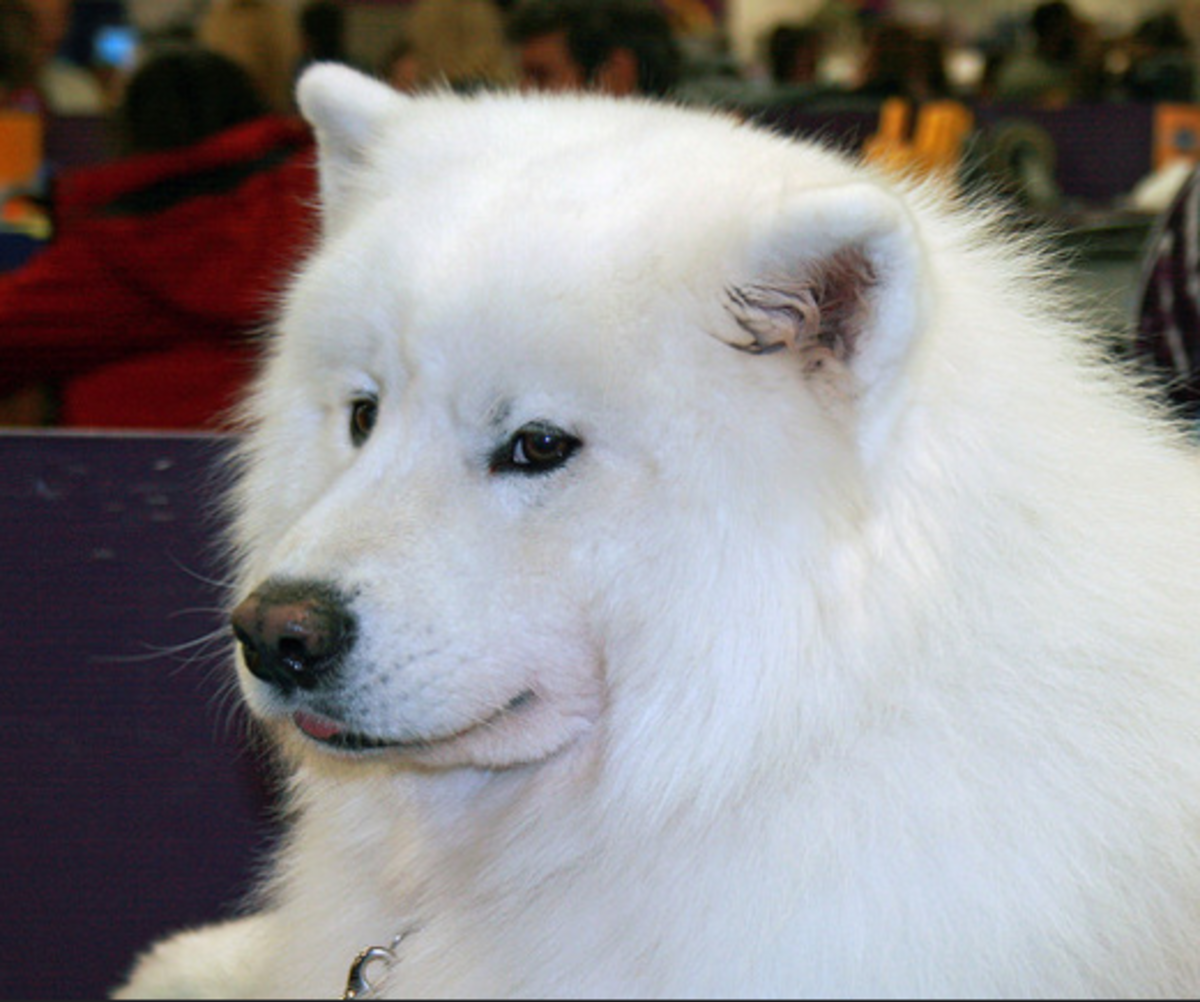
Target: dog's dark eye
<point>536,448</point>
<point>363,414</point>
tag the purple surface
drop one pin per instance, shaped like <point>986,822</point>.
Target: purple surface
<point>1103,149</point>
<point>132,806</point>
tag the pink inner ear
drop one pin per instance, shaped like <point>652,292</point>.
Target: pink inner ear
<point>820,313</point>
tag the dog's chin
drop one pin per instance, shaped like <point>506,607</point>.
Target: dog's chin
<point>527,730</point>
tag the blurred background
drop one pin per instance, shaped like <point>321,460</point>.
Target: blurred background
<point>123,308</point>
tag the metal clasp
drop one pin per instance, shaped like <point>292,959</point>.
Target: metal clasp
<point>358,986</point>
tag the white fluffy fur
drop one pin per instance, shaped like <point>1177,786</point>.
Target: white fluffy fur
<point>868,672</point>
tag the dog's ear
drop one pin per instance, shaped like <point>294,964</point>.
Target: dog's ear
<point>346,110</point>
<point>835,283</point>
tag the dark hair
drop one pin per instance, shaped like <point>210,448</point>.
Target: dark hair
<point>594,29</point>
<point>323,25</point>
<point>1052,17</point>
<point>1163,31</point>
<point>183,94</point>
<point>788,41</point>
<point>18,46</point>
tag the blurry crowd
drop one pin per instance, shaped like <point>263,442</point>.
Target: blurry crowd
<point>166,257</point>
<point>1049,56</point>
<point>1048,53</point>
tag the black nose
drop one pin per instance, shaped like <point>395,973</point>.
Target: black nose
<point>294,633</point>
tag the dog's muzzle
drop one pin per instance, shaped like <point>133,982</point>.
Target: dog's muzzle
<point>294,634</point>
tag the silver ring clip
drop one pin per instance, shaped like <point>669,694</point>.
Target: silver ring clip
<point>358,986</point>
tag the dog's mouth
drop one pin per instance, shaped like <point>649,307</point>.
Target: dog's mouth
<point>331,735</point>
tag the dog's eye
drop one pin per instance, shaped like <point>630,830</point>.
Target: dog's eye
<point>536,448</point>
<point>363,414</point>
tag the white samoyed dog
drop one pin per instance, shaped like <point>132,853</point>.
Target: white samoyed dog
<point>679,561</point>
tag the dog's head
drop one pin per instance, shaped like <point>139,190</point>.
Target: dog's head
<point>570,388</point>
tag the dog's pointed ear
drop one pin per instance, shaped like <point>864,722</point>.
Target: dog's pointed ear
<point>346,110</point>
<point>835,282</point>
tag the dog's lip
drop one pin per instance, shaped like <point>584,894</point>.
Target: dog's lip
<point>317,727</point>
<point>331,734</point>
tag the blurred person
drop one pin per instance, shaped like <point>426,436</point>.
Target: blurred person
<point>164,21</point>
<point>1167,336</point>
<point>459,43</point>
<point>1161,65</point>
<point>399,67</point>
<point>182,95</point>
<point>323,32</point>
<point>18,57</point>
<point>618,47</point>
<point>901,62</point>
<point>1062,66</point>
<point>794,54</point>
<point>264,37</point>
<point>692,18</point>
<point>165,261</point>
<point>1188,12</point>
<point>66,88</point>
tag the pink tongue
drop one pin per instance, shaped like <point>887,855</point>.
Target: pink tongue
<point>316,727</point>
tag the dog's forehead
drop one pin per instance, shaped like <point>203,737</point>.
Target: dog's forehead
<point>510,307</point>
<point>514,230</point>
<point>599,175</point>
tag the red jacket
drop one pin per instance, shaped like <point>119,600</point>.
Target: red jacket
<point>163,267</point>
